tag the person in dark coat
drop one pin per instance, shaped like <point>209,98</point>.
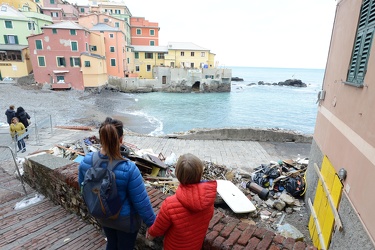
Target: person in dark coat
<point>23,116</point>
<point>10,113</point>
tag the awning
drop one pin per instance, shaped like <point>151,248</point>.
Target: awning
<point>60,71</point>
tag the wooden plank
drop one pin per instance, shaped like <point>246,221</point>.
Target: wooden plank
<point>317,226</point>
<point>338,224</point>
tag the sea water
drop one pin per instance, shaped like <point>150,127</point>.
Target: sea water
<point>246,106</point>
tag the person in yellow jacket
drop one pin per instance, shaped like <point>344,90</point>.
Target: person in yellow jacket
<point>16,130</point>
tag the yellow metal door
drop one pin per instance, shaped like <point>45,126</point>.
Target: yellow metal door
<point>323,211</point>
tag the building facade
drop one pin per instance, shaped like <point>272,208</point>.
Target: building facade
<point>342,159</point>
<point>55,54</point>
<point>144,32</point>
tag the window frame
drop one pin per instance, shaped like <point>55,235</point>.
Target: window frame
<point>136,55</point>
<point>71,45</point>
<point>60,61</point>
<point>138,31</point>
<point>148,67</point>
<point>40,45</point>
<point>152,32</point>
<point>44,61</point>
<point>75,61</point>
<point>137,68</point>
<point>112,49</point>
<point>54,31</point>
<point>8,22</point>
<point>182,53</point>
<point>192,53</point>
<point>87,64</point>
<point>6,39</point>
<point>113,62</point>
<point>73,32</point>
<point>149,55</point>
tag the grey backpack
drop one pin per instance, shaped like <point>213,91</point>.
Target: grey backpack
<point>99,189</point>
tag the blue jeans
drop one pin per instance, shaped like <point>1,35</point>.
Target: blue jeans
<point>21,143</point>
<point>117,239</point>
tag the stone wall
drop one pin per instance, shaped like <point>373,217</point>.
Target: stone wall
<point>244,134</point>
<point>57,179</point>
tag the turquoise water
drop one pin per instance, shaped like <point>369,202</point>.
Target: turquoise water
<point>288,108</point>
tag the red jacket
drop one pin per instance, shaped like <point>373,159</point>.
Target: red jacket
<point>184,217</point>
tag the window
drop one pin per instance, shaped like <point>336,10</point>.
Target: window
<point>152,43</point>
<point>112,49</point>
<point>54,31</point>
<point>73,32</point>
<point>110,35</point>
<point>87,64</point>
<point>192,53</point>
<point>203,54</point>
<point>152,32</point>
<point>182,53</point>
<point>362,44</point>
<point>54,14</point>
<point>137,68</point>
<point>139,32</point>
<point>92,47</point>
<point>136,55</point>
<point>82,10</point>
<point>117,24</point>
<point>113,62</point>
<point>52,1</point>
<point>148,55</point>
<point>41,61</point>
<point>117,11</point>
<point>8,24</point>
<point>128,60</point>
<point>160,55</point>
<point>75,62</point>
<point>74,46</point>
<point>192,65</point>
<point>11,55</point>
<point>31,25</point>
<point>10,39</point>
<point>106,20</point>
<point>60,79</point>
<point>61,61</point>
<point>148,68</point>
<point>87,47</point>
<point>38,44</point>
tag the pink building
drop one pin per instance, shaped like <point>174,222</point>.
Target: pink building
<point>59,10</point>
<point>55,54</point>
<point>144,32</point>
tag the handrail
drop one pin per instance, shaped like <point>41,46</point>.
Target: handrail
<point>18,171</point>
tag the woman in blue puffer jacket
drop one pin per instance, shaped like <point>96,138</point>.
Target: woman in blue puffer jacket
<point>122,232</point>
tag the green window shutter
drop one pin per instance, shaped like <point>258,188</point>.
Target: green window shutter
<point>38,44</point>
<point>362,45</point>
<point>6,39</point>
<point>41,61</point>
<point>74,46</point>
<point>71,62</point>
<point>16,39</point>
<point>136,55</point>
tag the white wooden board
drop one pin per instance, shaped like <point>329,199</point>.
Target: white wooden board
<point>234,197</point>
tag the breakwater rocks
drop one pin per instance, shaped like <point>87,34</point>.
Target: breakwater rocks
<point>243,134</point>
<point>289,82</point>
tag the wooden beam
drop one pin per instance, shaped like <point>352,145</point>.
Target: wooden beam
<point>338,224</point>
<point>317,226</point>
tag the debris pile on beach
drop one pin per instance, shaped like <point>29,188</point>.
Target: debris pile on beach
<point>282,181</point>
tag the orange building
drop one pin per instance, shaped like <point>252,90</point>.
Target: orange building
<point>144,32</point>
<point>115,49</point>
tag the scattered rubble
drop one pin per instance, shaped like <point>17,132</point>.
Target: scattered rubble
<point>282,210</point>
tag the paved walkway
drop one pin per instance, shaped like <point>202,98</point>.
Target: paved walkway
<point>47,226</point>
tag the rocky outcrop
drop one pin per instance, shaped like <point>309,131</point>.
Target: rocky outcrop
<point>289,82</point>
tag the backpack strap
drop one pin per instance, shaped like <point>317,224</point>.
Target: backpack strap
<point>97,161</point>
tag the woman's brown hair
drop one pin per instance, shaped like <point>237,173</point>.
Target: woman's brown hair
<point>110,133</point>
<point>189,169</point>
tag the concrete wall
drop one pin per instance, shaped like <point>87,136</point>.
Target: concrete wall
<point>176,80</point>
<point>244,134</point>
<point>354,235</point>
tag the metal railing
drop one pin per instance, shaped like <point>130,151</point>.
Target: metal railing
<point>4,148</point>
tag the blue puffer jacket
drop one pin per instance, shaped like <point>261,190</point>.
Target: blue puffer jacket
<point>130,187</point>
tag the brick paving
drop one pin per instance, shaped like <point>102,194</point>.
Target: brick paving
<point>45,225</point>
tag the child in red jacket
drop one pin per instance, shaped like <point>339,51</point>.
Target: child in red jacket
<point>184,216</point>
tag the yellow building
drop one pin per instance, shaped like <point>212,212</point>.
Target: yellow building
<point>23,5</point>
<point>16,62</point>
<point>146,58</point>
<point>175,55</point>
<point>188,55</point>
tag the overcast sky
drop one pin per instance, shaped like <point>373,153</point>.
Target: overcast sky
<point>254,33</point>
